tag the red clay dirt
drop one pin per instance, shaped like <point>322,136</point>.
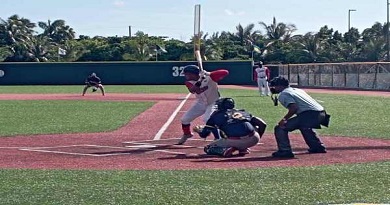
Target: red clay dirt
<point>136,146</point>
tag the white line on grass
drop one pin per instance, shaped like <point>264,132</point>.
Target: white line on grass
<point>165,126</point>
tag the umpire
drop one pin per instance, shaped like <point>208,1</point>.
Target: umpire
<point>304,113</point>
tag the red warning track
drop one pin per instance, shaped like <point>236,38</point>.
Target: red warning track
<point>134,146</point>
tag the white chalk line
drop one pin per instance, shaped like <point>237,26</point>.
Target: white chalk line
<point>146,147</point>
<point>171,118</point>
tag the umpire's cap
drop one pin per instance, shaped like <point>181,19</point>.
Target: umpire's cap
<point>192,69</point>
<point>279,81</point>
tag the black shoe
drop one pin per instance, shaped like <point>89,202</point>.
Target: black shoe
<point>317,150</point>
<point>283,154</point>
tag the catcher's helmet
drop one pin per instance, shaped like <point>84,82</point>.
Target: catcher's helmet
<point>225,103</point>
<point>192,69</point>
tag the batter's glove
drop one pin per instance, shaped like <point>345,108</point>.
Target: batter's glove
<point>198,129</point>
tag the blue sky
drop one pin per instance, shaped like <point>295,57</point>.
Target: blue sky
<point>174,18</point>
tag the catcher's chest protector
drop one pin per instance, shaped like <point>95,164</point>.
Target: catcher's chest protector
<point>236,116</point>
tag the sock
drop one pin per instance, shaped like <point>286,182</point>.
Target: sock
<point>186,129</point>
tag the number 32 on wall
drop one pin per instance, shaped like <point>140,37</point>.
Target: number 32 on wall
<point>177,71</point>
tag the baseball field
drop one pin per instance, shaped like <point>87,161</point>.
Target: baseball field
<point>58,147</point>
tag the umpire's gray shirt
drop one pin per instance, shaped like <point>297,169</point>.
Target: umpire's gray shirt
<point>298,96</point>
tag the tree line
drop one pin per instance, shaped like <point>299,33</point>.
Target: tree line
<point>274,43</point>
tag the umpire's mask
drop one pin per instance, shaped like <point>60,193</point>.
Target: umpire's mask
<point>277,85</point>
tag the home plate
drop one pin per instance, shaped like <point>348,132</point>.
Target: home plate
<point>142,146</point>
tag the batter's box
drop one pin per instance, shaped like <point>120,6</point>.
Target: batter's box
<point>98,150</point>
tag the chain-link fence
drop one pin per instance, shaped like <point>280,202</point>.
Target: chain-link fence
<point>374,76</point>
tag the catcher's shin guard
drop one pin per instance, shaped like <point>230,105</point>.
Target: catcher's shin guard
<point>259,124</point>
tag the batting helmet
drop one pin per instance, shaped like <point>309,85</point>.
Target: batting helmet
<point>225,103</point>
<point>192,69</point>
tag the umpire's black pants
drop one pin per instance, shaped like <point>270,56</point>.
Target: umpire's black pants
<point>305,122</point>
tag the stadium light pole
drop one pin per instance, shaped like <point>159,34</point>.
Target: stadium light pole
<point>349,18</point>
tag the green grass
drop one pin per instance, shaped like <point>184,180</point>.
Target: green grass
<point>362,116</point>
<point>47,117</point>
<point>351,116</point>
<point>300,185</point>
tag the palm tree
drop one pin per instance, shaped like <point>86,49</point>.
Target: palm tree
<point>245,34</point>
<point>15,29</point>
<point>374,50</point>
<point>312,45</point>
<point>374,43</point>
<point>246,38</point>
<point>214,47</point>
<point>57,30</point>
<point>278,31</point>
<point>39,50</point>
<point>4,52</point>
<point>277,34</point>
<point>143,52</point>
<point>17,34</point>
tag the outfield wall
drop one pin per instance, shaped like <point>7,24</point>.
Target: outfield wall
<point>371,76</point>
<point>367,75</point>
<point>117,73</point>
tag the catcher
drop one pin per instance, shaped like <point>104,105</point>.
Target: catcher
<point>93,81</point>
<point>238,130</point>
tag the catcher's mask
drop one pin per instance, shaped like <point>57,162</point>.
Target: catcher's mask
<point>192,69</point>
<point>225,103</point>
<point>274,98</point>
<point>276,85</point>
<point>278,81</point>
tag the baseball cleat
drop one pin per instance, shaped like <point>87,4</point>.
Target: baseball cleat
<point>283,154</point>
<point>316,151</point>
<point>184,138</point>
<point>242,153</point>
<point>229,152</point>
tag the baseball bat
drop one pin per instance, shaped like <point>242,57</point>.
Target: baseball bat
<point>199,59</point>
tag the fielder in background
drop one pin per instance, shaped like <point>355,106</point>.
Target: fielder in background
<point>93,81</point>
<point>304,113</point>
<point>205,87</point>
<point>263,75</point>
<point>238,130</point>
